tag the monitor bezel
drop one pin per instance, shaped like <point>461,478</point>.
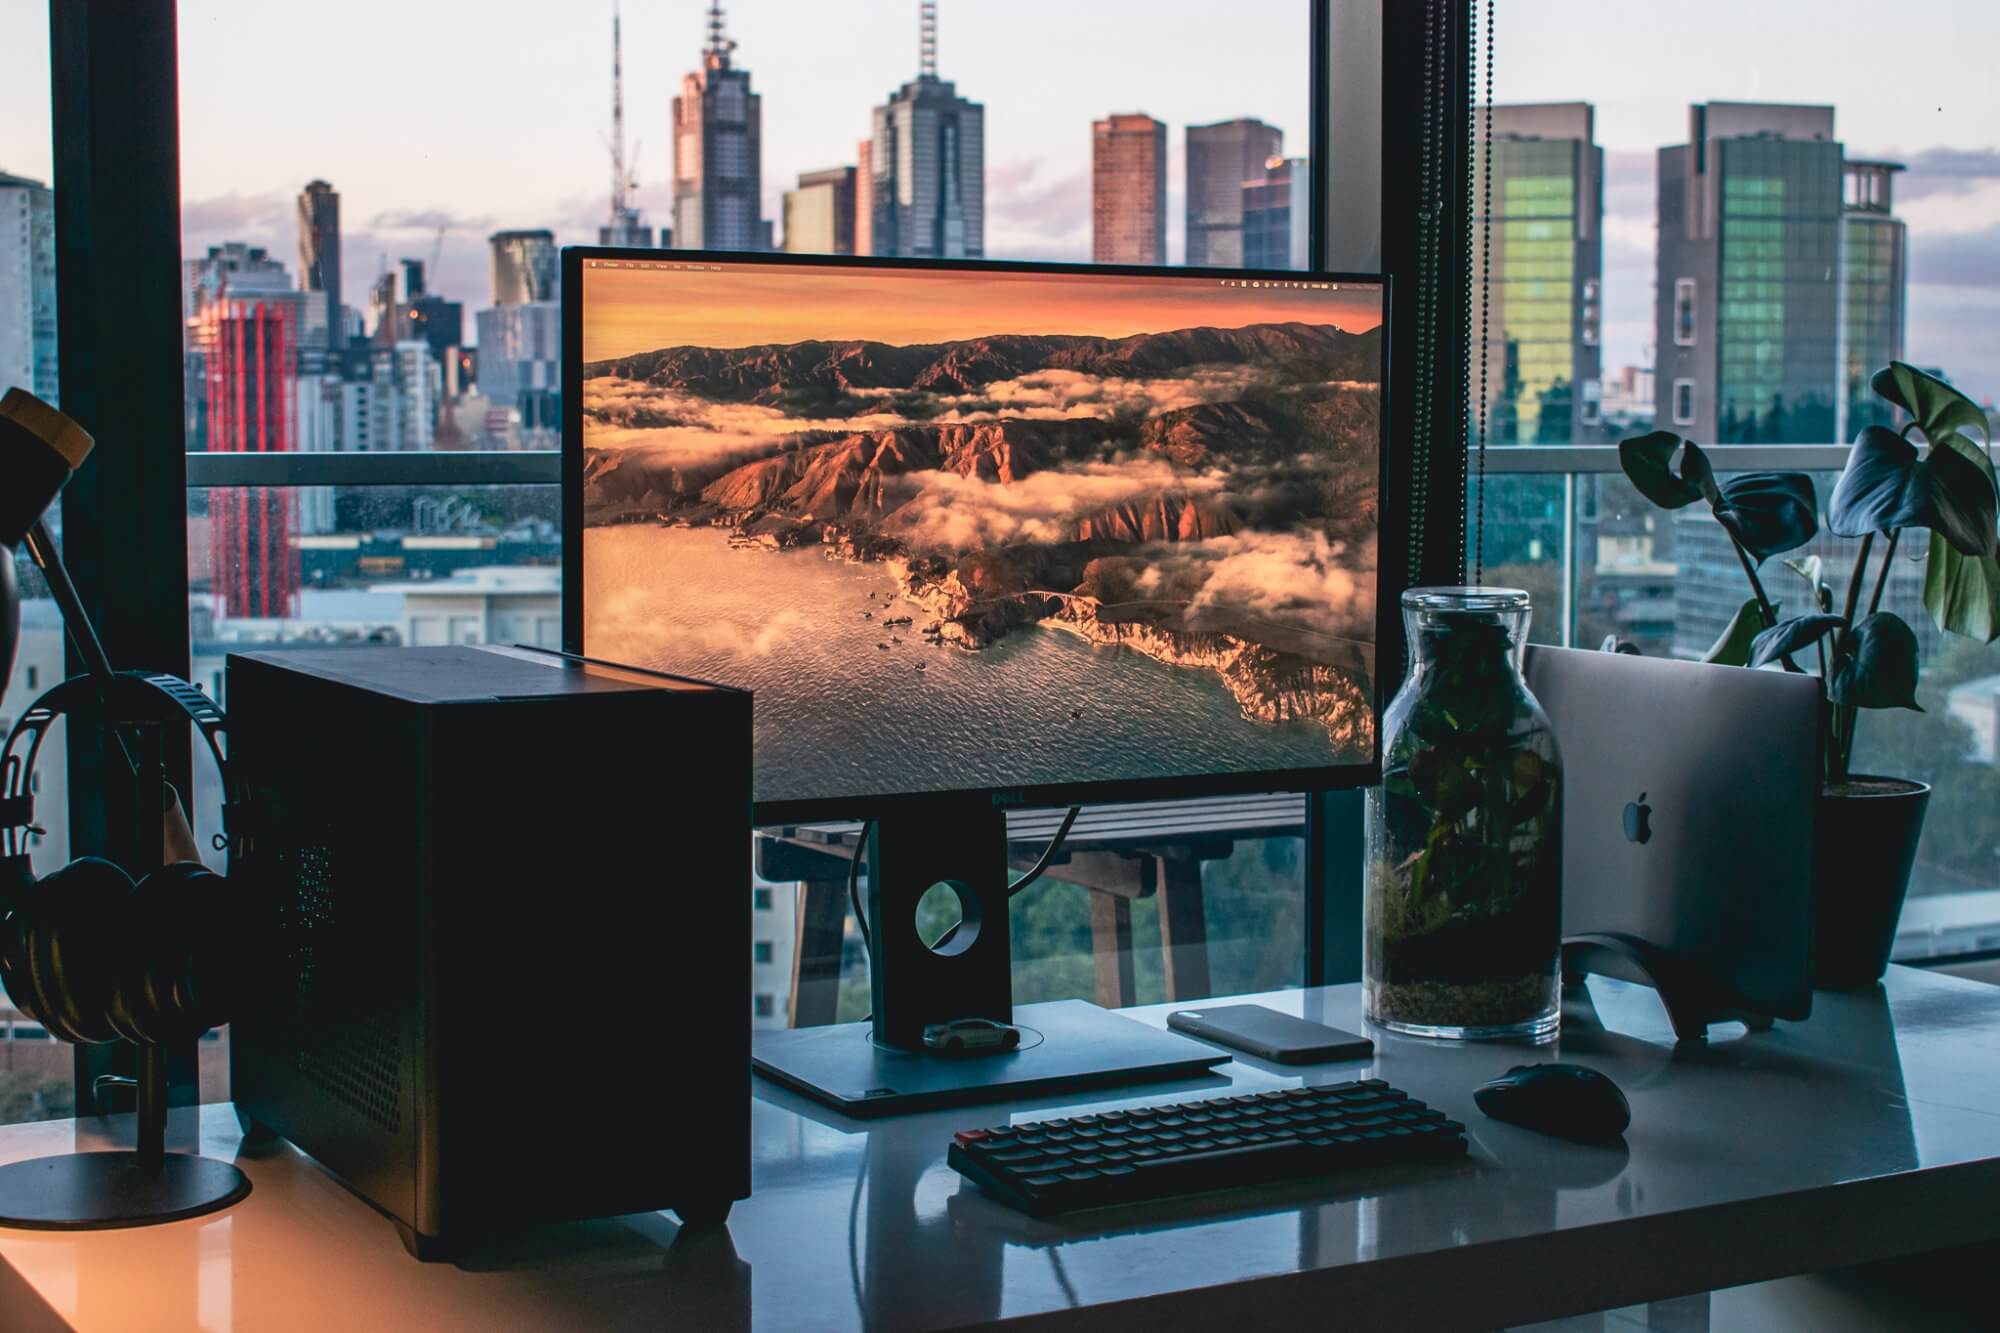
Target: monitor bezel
<point>880,805</point>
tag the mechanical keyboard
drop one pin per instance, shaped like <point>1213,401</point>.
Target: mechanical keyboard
<point>1045,1167</point>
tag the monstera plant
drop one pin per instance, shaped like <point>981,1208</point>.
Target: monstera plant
<point>1891,491</point>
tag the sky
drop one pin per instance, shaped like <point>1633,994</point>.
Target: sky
<point>744,305</point>
<point>470,117</point>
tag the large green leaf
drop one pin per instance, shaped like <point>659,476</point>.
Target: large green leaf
<point>1887,485</point>
<point>1936,407</point>
<point>1962,592</point>
<point>1768,512</point>
<point>1647,461</point>
<point>1876,665</point>
<point>1733,648</point>
<point>1788,636</point>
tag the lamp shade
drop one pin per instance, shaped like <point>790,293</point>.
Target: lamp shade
<point>39,449</point>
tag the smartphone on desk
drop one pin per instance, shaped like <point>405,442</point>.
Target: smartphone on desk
<point>1270,1035</point>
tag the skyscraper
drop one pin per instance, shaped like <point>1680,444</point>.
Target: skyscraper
<point>1543,248</point>
<point>520,369</point>
<point>627,225</point>
<point>718,155</point>
<point>319,260</point>
<point>1128,190</point>
<point>864,198</point>
<point>929,162</point>
<point>1275,215</point>
<point>819,215</point>
<point>1748,301</point>
<point>524,267</point>
<point>429,318</point>
<point>1873,285</point>
<point>242,348</point>
<point>27,287</point>
<point>1220,158</point>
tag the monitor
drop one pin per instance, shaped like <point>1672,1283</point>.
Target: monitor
<point>1038,532</point>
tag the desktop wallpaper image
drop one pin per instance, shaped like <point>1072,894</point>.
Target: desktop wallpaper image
<point>997,530</point>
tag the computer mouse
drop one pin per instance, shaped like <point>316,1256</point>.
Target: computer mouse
<point>1566,1100</point>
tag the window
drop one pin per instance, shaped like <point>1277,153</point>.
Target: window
<point>408,301</point>
<point>760,952</point>
<point>1683,402</point>
<point>1819,219</point>
<point>763,1006</point>
<point>39,1079</point>
<point>405,303</point>
<point>1683,312</point>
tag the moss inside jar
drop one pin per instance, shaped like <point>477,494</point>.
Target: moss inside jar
<point>1464,887</point>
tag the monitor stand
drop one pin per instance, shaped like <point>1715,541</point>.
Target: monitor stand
<point>881,1066</point>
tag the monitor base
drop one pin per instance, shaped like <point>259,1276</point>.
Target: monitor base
<point>1082,1046</point>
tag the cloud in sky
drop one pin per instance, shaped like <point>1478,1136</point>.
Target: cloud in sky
<point>429,219</point>
<point>1934,171</point>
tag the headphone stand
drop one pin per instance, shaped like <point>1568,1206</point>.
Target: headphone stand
<point>88,1191</point>
<point>144,1185</point>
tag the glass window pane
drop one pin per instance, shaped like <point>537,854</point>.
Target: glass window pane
<point>36,1072</point>
<point>370,273</point>
<point>1762,252</point>
<point>379,274</point>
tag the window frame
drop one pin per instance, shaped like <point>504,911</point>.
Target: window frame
<point>1686,333</point>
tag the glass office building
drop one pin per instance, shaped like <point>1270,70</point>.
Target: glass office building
<point>27,286</point>
<point>718,152</point>
<point>1874,278</point>
<point>1747,314</point>
<point>1538,271</point>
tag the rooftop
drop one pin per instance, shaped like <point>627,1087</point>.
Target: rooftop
<point>518,580</point>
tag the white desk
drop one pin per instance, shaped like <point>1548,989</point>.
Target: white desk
<point>1870,1132</point>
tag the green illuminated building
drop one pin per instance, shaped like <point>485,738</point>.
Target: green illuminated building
<point>1537,272</point>
<point>1873,249</point>
<point>1748,298</point>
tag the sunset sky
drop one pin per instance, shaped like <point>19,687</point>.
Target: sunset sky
<point>631,311</point>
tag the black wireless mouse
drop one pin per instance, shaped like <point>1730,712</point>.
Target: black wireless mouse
<point>1566,1100</point>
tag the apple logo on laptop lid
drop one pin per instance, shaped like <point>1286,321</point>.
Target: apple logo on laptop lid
<point>1638,820</point>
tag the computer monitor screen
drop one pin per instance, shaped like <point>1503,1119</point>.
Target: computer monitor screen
<point>1036,530</point>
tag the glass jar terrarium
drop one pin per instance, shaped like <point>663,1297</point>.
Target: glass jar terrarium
<point>1464,894</point>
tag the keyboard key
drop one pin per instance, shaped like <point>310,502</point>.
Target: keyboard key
<point>1043,1182</point>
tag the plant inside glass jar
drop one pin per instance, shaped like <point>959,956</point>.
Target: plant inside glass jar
<point>1466,907</point>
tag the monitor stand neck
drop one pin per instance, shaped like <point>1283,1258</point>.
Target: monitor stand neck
<point>959,841</point>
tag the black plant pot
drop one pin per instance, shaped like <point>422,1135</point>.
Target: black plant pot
<point>1865,844</point>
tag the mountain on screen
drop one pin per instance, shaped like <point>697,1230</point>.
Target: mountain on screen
<point>1205,495</point>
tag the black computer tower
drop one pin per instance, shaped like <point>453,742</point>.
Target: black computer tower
<point>499,933</point>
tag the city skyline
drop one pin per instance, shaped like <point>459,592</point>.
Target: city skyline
<point>240,180</point>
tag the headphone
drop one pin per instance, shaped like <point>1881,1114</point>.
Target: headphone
<point>89,951</point>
